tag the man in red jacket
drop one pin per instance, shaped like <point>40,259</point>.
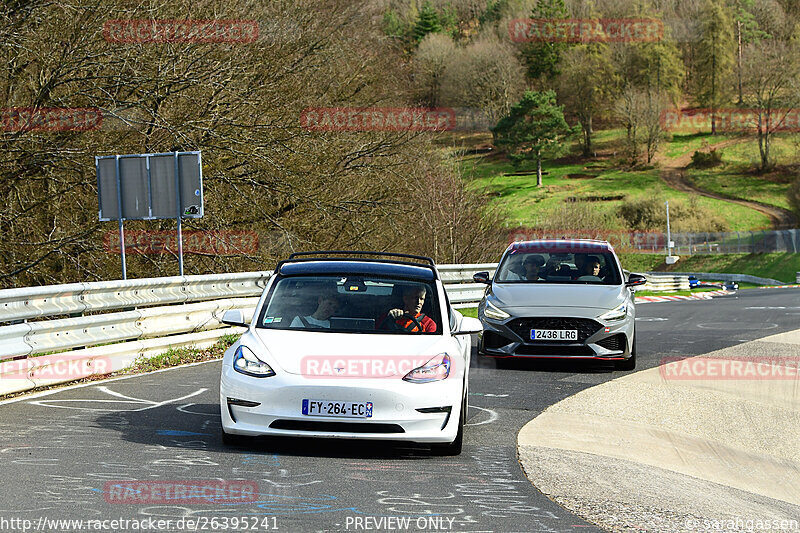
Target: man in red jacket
<point>413,300</point>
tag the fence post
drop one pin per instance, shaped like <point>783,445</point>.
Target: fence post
<point>752,243</point>
<point>738,243</point>
<point>708,242</point>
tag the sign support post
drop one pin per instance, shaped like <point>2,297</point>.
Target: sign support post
<point>121,228</point>
<point>180,215</point>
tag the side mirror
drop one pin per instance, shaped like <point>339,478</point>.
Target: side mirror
<point>635,279</point>
<point>234,317</point>
<point>469,326</point>
<point>482,277</point>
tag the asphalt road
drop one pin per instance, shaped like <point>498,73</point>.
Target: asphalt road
<point>60,451</point>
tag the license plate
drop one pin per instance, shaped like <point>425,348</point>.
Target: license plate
<point>340,409</point>
<point>554,334</point>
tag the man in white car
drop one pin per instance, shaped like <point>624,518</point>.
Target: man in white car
<point>327,304</point>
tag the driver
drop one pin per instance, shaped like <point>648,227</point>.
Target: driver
<point>410,318</point>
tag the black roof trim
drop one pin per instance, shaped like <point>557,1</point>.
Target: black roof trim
<point>348,255</point>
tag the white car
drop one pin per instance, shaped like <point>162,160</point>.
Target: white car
<point>340,346</point>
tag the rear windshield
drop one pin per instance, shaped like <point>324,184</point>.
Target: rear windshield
<point>558,267</point>
<point>352,304</point>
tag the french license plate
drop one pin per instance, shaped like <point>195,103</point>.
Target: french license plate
<point>554,334</point>
<point>341,409</point>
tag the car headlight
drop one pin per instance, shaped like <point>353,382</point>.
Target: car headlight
<point>246,362</point>
<point>436,369</point>
<point>494,312</point>
<point>618,313</point>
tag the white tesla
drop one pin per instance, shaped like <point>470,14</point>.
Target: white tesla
<point>354,345</point>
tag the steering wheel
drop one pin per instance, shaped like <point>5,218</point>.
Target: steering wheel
<point>392,323</point>
<point>417,322</point>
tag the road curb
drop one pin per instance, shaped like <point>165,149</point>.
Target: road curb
<point>672,298</point>
<point>621,467</point>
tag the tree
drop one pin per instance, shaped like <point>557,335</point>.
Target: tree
<point>771,70</point>
<point>587,81</point>
<point>427,22</point>
<point>715,61</point>
<point>640,111</point>
<point>542,58</point>
<point>485,75</point>
<point>747,31</point>
<point>535,128</point>
<point>431,60</point>
<point>651,66</point>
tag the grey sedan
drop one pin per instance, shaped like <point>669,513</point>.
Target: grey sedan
<point>559,299</point>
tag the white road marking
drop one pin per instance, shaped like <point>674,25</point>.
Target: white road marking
<point>125,399</point>
<point>492,416</point>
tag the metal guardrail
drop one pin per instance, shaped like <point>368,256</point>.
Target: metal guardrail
<point>138,317</point>
<point>660,282</point>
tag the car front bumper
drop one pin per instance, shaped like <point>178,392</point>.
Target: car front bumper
<point>396,405</point>
<point>598,339</point>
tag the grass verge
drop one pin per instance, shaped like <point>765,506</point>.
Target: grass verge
<point>779,266</point>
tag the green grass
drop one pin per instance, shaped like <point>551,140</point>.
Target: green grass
<point>527,205</point>
<point>779,266</point>
<point>181,356</point>
<point>735,177</point>
<point>469,311</point>
<point>683,143</point>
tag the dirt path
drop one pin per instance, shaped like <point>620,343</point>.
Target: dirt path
<point>673,173</point>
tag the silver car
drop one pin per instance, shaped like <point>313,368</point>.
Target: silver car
<point>564,299</point>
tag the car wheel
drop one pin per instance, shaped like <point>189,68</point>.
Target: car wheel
<point>630,363</point>
<point>230,439</point>
<point>454,448</point>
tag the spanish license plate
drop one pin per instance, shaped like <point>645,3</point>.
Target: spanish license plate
<point>554,334</point>
<point>340,409</point>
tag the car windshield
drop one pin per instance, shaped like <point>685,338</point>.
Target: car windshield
<point>352,304</point>
<point>543,266</point>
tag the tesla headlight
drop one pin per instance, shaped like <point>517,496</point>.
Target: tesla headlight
<point>494,312</point>
<point>618,313</point>
<point>436,369</point>
<point>246,362</point>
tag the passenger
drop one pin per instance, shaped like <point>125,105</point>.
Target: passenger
<point>532,264</point>
<point>591,270</point>
<point>327,304</point>
<point>515,270</point>
<point>591,267</point>
<point>400,319</point>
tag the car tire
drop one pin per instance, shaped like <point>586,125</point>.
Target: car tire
<point>454,448</point>
<point>629,363</point>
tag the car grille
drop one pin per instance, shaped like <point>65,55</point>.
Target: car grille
<point>614,343</point>
<point>586,326</point>
<point>336,427</point>
<point>559,350</point>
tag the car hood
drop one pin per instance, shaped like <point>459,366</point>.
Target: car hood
<point>366,355</point>
<point>527,295</point>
